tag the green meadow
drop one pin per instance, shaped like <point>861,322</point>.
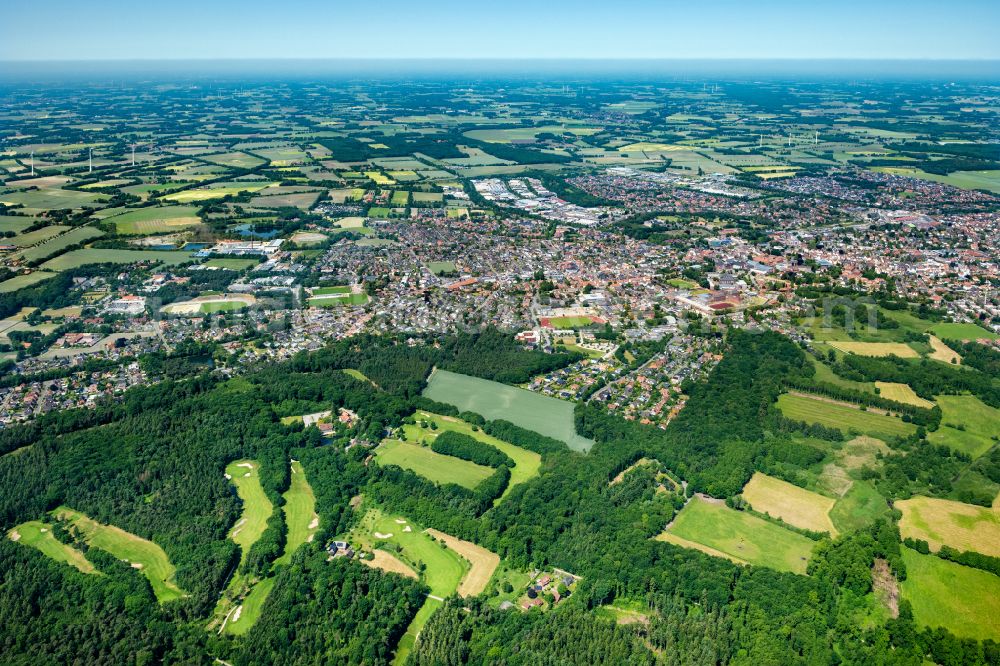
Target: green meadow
<point>963,600</point>
<point>844,418</point>
<point>739,536</point>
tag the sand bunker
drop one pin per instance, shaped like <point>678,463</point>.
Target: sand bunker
<point>379,535</point>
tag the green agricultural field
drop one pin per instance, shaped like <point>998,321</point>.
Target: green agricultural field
<point>570,322</point>
<point>825,374</point>
<point>300,513</point>
<point>962,332</point>
<point>38,235</point>
<point>434,466</point>
<point>89,255</point>
<point>39,535</point>
<point>143,555</point>
<point>526,463</point>
<point>17,224</point>
<point>257,508</point>
<point>861,505</point>
<point>740,536</point>
<point>963,600</point>
<point>235,159</point>
<point>22,281</point>
<point>215,191</point>
<point>52,199</point>
<point>967,424</point>
<point>844,418</point>
<point>51,247</point>
<point>875,348</point>
<point>547,416</point>
<point>155,219</point>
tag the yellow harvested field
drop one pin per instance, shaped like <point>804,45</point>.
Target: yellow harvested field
<point>388,562</point>
<point>483,562</point>
<point>956,524</point>
<point>902,393</point>
<point>944,353</point>
<point>796,506</point>
<point>875,348</point>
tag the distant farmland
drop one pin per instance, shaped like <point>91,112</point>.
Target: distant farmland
<point>545,415</point>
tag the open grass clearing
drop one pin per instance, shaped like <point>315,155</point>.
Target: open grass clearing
<point>795,506</point>
<point>844,418</point>
<point>963,600</point>
<point>38,535</point>
<point>547,416</point>
<point>231,264</point>
<point>942,522</point>
<point>388,562</point>
<point>438,468</point>
<point>860,506</point>
<point>967,424</point>
<point>741,536</point>
<point>140,553</point>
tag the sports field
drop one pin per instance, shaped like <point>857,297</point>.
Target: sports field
<point>143,555</point>
<point>39,535</point>
<point>548,416</point>
<point>874,348</point>
<point>963,600</point>
<point>257,508</point>
<point>442,572</point>
<point>569,322</point>
<point>942,522</point>
<point>210,304</point>
<point>246,614</point>
<point>842,417</point>
<point>526,463</point>
<point>231,264</point>
<point>441,267</point>
<point>902,393</point>
<point>89,255</point>
<point>740,536</point>
<point>482,563</point>
<point>796,506</point>
<point>300,513</point>
<point>967,424</point>
<point>961,332</point>
<point>155,219</point>
<point>428,464</point>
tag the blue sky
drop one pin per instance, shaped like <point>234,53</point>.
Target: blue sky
<point>186,29</point>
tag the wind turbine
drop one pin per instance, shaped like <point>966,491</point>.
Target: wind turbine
<point>90,161</point>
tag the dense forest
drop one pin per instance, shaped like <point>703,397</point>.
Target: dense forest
<point>152,463</point>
